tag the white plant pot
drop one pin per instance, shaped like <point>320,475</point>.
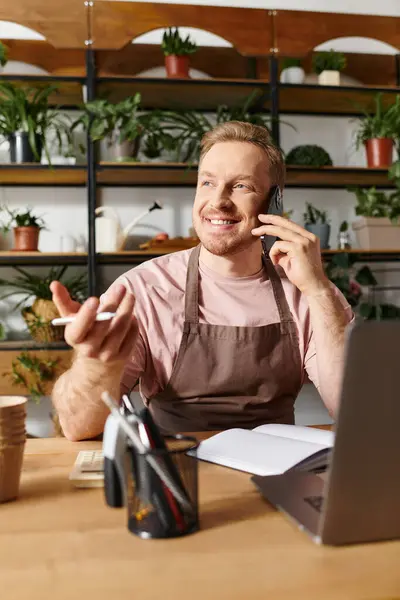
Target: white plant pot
<point>295,75</point>
<point>377,233</point>
<point>329,78</point>
<point>113,151</point>
<point>39,422</point>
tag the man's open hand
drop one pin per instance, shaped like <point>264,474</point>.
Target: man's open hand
<point>107,341</point>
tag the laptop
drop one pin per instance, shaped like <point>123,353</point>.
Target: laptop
<point>358,498</point>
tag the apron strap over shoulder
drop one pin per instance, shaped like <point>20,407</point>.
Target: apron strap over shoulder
<point>192,287</point>
<point>279,293</point>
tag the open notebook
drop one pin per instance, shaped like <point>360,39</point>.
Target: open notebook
<point>269,449</point>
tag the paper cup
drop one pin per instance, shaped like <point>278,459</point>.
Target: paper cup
<point>11,458</point>
<point>12,405</point>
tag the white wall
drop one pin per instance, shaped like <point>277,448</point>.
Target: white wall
<point>384,7</point>
<point>64,209</point>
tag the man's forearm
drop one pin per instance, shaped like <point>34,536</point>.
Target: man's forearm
<point>77,396</point>
<point>329,320</point>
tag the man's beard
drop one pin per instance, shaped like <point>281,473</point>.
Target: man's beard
<point>224,245</point>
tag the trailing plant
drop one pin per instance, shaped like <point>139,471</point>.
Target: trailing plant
<point>28,110</point>
<point>32,373</point>
<point>102,118</point>
<point>314,216</point>
<point>309,155</point>
<point>19,218</point>
<point>382,123</point>
<point>3,55</point>
<point>173,44</point>
<point>288,63</point>
<point>36,286</point>
<point>329,61</point>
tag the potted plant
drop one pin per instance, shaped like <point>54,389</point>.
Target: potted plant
<point>355,284</point>
<point>328,66</point>
<point>343,238</point>
<point>187,127</point>
<point>35,374</point>
<point>378,227</point>
<point>27,121</point>
<point>292,71</point>
<point>309,155</point>
<point>378,132</point>
<point>117,126</point>
<point>42,311</point>
<point>177,51</point>
<point>3,56</point>
<point>316,222</point>
<point>26,228</point>
<point>156,139</point>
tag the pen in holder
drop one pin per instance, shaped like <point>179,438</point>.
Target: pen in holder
<point>154,509</point>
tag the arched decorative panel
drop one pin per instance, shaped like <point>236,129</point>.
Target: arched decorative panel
<point>298,32</point>
<point>116,23</point>
<point>62,22</point>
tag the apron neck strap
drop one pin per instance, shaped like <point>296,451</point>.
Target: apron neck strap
<point>192,289</point>
<point>279,294</point>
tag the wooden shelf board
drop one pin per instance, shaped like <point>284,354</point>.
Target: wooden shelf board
<point>134,257</point>
<point>198,94</point>
<point>332,100</point>
<point>360,251</point>
<point>178,174</point>
<point>207,94</point>
<point>42,175</point>
<point>13,345</point>
<point>336,177</point>
<point>10,258</point>
<point>69,93</point>
<point>147,174</point>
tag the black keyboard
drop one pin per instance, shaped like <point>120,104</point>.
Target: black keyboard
<point>315,502</point>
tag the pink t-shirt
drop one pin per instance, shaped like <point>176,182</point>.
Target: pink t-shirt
<point>159,289</point>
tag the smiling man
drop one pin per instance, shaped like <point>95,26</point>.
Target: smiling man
<point>218,336</point>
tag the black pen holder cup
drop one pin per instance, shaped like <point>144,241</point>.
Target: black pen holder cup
<point>154,511</point>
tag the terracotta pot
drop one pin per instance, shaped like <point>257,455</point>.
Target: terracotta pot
<point>26,238</point>
<point>379,152</point>
<point>177,66</point>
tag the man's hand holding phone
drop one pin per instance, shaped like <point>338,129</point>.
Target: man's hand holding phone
<point>297,251</point>
<point>107,341</point>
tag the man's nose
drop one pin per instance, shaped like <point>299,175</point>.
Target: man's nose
<point>222,197</point>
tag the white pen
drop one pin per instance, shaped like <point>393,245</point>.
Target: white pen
<point>101,316</point>
<point>141,448</point>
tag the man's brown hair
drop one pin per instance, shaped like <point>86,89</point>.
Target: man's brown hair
<point>237,131</point>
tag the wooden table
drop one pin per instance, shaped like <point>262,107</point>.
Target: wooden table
<point>62,543</point>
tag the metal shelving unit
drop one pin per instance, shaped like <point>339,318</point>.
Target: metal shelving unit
<point>200,94</point>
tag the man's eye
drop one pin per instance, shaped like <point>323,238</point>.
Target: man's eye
<point>207,183</point>
<point>240,186</point>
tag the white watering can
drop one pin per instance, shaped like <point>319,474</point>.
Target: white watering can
<point>110,237</point>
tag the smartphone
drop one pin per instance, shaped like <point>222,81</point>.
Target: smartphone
<point>274,204</point>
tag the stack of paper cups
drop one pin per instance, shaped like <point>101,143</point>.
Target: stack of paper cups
<point>12,444</point>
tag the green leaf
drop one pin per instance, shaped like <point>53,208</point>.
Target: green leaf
<point>365,277</point>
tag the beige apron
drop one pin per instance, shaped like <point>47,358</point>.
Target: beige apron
<point>226,376</point>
